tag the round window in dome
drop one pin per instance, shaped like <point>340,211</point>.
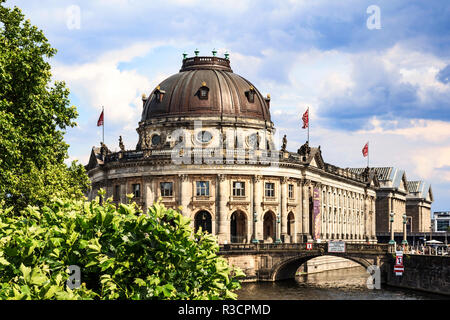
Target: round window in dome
<point>156,139</point>
<point>204,136</point>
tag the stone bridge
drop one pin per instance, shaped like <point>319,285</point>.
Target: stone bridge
<point>272,262</point>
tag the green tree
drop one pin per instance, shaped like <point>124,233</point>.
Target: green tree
<point>122,254</point>
<point>34,114</point>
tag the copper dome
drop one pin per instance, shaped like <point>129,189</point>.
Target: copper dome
<point>206,86</point>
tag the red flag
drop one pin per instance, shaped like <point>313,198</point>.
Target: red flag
<point>100,120</point>
<point>305,119</point>
<point>365,150</point>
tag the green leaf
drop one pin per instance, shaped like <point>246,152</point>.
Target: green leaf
<point>51,292</point>
<point>38,277</point>
<point>4,262</point>
<point>140,282</point>
<point>25,272</point>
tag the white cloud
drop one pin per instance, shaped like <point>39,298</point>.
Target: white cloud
<point>102,83</point>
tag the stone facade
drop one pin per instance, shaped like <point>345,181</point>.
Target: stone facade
<point>347,208</point>
<point>418,206</point>
<point>423,272</point>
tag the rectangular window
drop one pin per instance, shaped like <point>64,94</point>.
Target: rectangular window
<point>239,189</point>
<point>291,191</point>
<point>116,193</point>
<point>203,188</point>
<point>442,225</point>
<point>137,190</point>
<point>166,189</point>
<point>270,189</point>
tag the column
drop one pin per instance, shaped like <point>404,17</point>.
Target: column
<point>366,216</point>
<point>258,216</point>
<point>284,209</point>
<point>123,191</point>
<point>223,233</point>
<point>299,211</point>
<point>389,212</point>
<point>374,219</point>
<point>185,197</point>
<point>305,215</point>
<point>149,197</point>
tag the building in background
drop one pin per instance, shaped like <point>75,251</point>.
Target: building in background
<point>441,221</point>
<point>399,196</point>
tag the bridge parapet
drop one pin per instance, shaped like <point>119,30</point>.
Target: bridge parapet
<point>301,247</point>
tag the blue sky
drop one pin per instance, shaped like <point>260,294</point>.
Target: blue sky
<point>389,86</point>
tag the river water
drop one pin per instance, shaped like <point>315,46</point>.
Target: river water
<point>343,284</point>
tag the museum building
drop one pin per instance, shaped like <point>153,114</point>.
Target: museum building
<point>206,143</point>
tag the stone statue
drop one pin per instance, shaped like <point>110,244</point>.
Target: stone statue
<point>304,149</point>
<point>121,145</point>
<point>283,147</point>
<point>365,174</point>
<point>104,150</point>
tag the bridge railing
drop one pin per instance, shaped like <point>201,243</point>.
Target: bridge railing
<point>349,247</point>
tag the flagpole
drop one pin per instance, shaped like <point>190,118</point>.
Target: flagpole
<point>103,126</point>
<point>368,154</point>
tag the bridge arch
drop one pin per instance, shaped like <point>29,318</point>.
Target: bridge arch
<point>287,268</point>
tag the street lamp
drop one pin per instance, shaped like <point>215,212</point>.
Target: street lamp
<point>404,230</point>
<point>392,241</point>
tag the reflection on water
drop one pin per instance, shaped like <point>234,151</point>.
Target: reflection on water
<point>343,284</point>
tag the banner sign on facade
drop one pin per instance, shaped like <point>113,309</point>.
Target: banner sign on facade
<point>316,213</point>
<point>336,246</point>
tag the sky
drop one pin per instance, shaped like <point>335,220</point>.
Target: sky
<point>376,71</point>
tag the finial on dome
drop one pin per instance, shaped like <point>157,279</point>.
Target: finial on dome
<point>144,96</point>
<point>203,84</point>
<point>268,96</point>
<point>158,87</point>
<point>196,52</point>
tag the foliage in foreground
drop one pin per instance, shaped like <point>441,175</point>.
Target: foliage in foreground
<point>34,114</point>
<point>121,254</point>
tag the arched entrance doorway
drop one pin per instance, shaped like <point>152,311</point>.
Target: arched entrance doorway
<point>269,227</point>
<point>290,226</point>
<point>238,227</point>
<point>203,220</point>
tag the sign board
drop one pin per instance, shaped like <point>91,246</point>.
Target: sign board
<point>316,213</point>
<point>309,246</point>
<point>336,246</point>
<point>398,268</point>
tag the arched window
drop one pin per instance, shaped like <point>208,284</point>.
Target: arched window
<point>159,94</point>
<point>250,94</point>
<point>203,220</point>
<point>203,92</point>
